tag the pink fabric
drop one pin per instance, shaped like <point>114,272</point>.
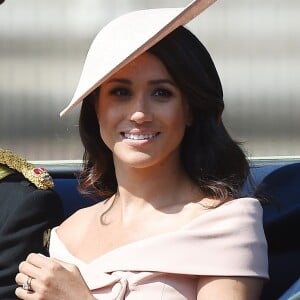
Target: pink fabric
<point>228,240</point>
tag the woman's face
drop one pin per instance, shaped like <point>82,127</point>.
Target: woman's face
<point>141,113</point>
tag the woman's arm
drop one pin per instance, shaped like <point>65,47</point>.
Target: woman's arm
<point>229,288</point>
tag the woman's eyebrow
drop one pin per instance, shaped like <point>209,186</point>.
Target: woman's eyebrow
<point>119,80</point>
<point>160,81</point>
<point>151,82</point>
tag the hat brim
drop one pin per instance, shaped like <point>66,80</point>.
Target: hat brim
<point>125,38</point>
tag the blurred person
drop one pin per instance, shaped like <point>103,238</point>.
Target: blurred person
<point>28,210</point>
<point>173,225</point>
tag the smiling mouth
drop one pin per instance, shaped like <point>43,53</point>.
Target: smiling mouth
<point>132,136</point>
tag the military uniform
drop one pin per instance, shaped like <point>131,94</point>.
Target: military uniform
<point>27,212</point>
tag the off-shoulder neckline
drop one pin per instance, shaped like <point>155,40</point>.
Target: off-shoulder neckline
<point>188,225</point>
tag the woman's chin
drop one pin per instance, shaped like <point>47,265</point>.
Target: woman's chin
<point>137,160</point>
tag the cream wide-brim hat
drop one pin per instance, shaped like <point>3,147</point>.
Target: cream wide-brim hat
<point>125,38</point>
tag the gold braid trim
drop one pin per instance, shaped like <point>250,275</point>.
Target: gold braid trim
<point>38,176</point>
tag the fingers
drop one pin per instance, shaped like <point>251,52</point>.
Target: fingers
<point>23,294</point>
<point>29,271</point>
<point>34,264</point>
<point>37,259</point>
<point>21,278</point>
<point>47,277</point>
<point>26,282</point>
<point>26,286</point>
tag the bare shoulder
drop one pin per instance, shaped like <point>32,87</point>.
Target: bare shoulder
<point>243,288</point>
<point>239,207</point>
<point>77,223</point>
<point>231,203</point>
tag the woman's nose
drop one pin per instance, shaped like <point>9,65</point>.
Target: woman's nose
<point>141,111</point>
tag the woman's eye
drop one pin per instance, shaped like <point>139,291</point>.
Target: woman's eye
<point>121,92</point>
<point>162,93</point>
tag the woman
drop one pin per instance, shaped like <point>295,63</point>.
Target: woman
<point>172,225</point>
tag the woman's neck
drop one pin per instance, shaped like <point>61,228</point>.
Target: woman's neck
<point>156,187</point>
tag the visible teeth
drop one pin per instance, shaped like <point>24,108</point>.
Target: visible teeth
<point>139,136</point>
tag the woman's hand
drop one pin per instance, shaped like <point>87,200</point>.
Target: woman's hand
<point>50,279</point>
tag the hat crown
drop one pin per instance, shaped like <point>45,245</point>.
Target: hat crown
<point>125,38</point>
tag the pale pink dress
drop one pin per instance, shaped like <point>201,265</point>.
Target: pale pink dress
<point>228,240</point>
